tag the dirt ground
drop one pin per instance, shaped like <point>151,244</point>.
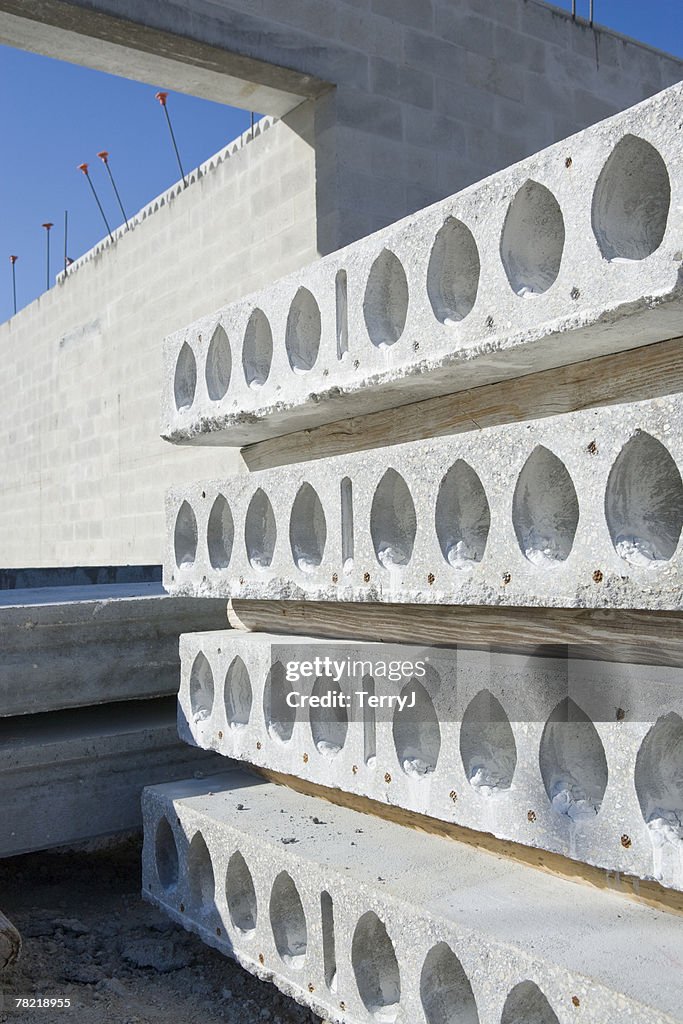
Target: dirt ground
<point>88,936</point>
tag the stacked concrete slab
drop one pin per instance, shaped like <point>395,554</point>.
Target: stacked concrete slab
<point>572,254</point>
<point>87,678</point>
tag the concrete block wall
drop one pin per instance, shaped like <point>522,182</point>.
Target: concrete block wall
<point>529,748</point>
<point>364,920</point>
<point>85,470</point>
<point>570,254</point>
<point>579,510</point>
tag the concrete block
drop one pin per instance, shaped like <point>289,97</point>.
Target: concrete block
<point>71,646</point>
<point>570,254</point>
<point>576,757</point>
<point>579,510</point>
<point>71,776</point>
<point>365,920</point>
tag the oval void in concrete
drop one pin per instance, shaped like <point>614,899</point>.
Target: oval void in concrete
<point>279,716</point>
<point>644,502</point>
<point>385,305</point>
<point>185,379</point>
<point>659,779</point>
<point>416,731</point>
<point>545,509</point>
<point>329,725</point>
<point>166,855</point>
<point>376,968</point>
<point>201,689</point>
<point>393,521</point>
<point>445,990</point>
<point>462,517</point>
<point>260,531</point>
<point>220,534</point>
<point>573,763</point>
<point>526,1004</point>
<point>302,336</point>
<point>200,875</point>
<point>185,536</point>
<point>257,350</point>
<point>288,921</point>
<point>487,745</point>
<point>218,365</point>
<point>237,694</point>
<point>453,272</point>
<point>631,201</point>
<point>240,895</point>
<point>532,241</point>
<point>307,529</point>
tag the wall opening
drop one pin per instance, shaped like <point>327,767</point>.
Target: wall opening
<point>302,336</point>
<point>453,272</point>
<point>347,524</point>
<point>573,763</point>
<point>416,732</point>
<point>462,517</point>
<point>393,522</point>
<point>445,990</point>
<point>532,241</point>
<point>201,689</point>
<point>545,509</point>
<point>240,894</point>
<point>260,531</point>
<point>369,724</point>
<point>279,716</point>
<point>166,855</point>
<point>526,1004</point>
<point>257,350</point>
<point>342,310</point>
<point>220,534</point>
<point>376,968</point>
<point>659,780</point>
<point>385,305</point>
<point>329,952</point>
<point>218,365</point>
<point>329,726</point>
<point>307,529</point>
<point>237,694</point>
<point>185,537</point>
<point>200,874</point>
<point>185,380</point>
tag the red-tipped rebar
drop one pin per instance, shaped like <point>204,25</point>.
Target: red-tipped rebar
<point>13,260</point>
<point>48,224</point>
<point>162,97</point>
<point>84,168</point>
<point>104,157</point>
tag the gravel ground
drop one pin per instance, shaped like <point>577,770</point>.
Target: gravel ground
<point>89,937</point>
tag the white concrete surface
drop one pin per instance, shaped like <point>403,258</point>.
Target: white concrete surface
<point>579,510</point>
<point>491,743</point>
<point>571,254</point>
<point>66,647</point>
<point>364,920</point>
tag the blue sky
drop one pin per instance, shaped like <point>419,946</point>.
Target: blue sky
<point>56,115</point>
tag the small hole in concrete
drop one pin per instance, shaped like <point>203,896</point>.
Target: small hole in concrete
<point>393,522</point>
<point>445,990</point>
<point>237,694</point>
<point>487,745</point>
<point>201,689</point>
<point>532,241</point>
<point>545,509</point>
<point>260,531</point>
<point>376,968</point>
<point>340,288</point>
<point>166,855</point>
<point>385,305</point>
<point>218,365</point>
<point>329,952</point>
<point>644,502</point>
<point>307,529</point>
<point>240,894</point>
<point>416,732</point>
<point>526,1004</point>
<point>185,537</point>
<point>453,272</point>
<point>573,763</point>
<point>220,534</point>
<point>659,786</point>
<point>329,726</point>
<point>631,201</point>
<point>288,921</point>
<point>462,517</point>
<point>200,874</point>
<point>302,337</point>
<point>347,524</point>
<point>185,380</point>
<point>257,350</point>
<point>369,724</point>
<point>279,716</point>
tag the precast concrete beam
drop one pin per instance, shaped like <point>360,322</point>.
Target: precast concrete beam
<point>572,756</point>
<point>365,920</point>
<point>582,510</point>
<point>66,647</point>
<point>71,776</point>
<point>570,254</point>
